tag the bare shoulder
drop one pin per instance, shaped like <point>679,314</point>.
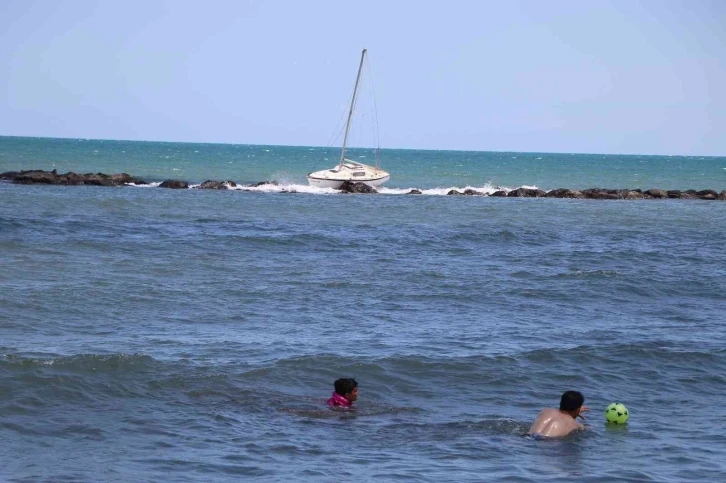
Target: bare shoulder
<point>544,418</point>
<point>545,414</point>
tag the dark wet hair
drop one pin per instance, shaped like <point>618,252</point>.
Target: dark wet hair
<point>571,400</point>
<point>345,385</point>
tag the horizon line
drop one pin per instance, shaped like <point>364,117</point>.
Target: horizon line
<point>358,147</point>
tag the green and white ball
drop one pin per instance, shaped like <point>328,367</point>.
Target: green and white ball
<point>616,413</point>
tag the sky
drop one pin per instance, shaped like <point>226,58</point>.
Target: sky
<point>595,76</point>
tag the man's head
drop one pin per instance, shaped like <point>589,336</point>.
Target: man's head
<point>347,387</point>
<point>571,402</point>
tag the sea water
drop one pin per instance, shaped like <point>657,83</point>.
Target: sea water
<point>149,334</point>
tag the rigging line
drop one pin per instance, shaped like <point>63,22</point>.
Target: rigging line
<point>375,114</point>
<point>336,135</point>
<point>352,106</point>
<point>337,131</point>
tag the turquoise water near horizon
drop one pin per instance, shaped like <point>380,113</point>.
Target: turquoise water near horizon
<point>194,335</point>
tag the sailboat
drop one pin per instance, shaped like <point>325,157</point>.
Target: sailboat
<point>346,169</point>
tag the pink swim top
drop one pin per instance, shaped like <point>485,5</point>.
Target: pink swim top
<point>338,400</point>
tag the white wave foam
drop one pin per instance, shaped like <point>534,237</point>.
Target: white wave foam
<point>292,187</point>
<point>287,188</point>
<point>149,185</point>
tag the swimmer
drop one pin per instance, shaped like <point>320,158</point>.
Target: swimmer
<point>553,423</point>
<point>345,394</point>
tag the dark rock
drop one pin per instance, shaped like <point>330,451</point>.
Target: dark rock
<point>455,193</point>
<point>262,183</point>
<point>689,195</point>
<point>356,187</point>
<point>634,195</point>
<point>123,178</point>
<point>98,179</point>
<point>471,192</point>
<point>559,193</point>
<point>500,193</point>
<point>75,179</point>
<point>707,195</point>
<point>9,175</point>
<point>622,194</point>
<point>526,193</point>
<point>564,193</point>
<point>418,192</point>
<point>601,194</point>
<point>722,195</point>
<point>216,185</point>
<point>674,194</point>
<point>174,184</point>
<point>656,193</point>
<point>38,176</point>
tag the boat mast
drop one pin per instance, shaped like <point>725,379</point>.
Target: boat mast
<point>352,105</point>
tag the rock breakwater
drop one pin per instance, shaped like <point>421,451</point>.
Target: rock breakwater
<point>123,179</point>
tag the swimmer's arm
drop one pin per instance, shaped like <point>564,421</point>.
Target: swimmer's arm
<point>583,409</point>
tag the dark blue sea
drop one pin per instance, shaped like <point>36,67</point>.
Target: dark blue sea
<point>149,334</point>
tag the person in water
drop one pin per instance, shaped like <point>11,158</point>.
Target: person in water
<point>345,394</point>
<point>552,423</point>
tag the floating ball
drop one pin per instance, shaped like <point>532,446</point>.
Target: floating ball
<point>616,413</point>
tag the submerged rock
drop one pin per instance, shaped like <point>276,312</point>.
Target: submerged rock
<point>414,192</point>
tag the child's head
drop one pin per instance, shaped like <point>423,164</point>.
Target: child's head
<point>571,401</point>
<point>347,387</point>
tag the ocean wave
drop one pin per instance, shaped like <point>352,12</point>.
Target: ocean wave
<point>632,365</point>
<point>588,274</point>
<point>446,431</point>
<point>81,363</point>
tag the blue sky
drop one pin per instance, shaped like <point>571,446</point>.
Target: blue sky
<point>550,76</point>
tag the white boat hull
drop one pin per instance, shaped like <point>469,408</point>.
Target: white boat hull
<point>348,171</point>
